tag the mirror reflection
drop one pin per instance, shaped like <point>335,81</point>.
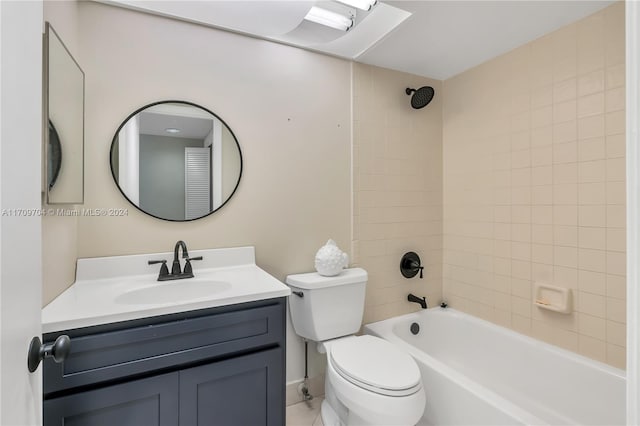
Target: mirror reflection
<point>176,160</point>
<point>54,156</point>
<point>64,90</point>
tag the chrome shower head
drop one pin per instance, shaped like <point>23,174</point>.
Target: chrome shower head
<point>421,97</point>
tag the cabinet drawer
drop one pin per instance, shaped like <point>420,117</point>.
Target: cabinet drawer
<point>169,344</point>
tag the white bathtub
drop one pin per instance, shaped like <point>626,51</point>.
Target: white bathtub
<point>478,373</point>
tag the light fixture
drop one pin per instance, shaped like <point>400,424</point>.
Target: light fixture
<point>365,5</point>
<point>329,18</point>
<point>172,130</point>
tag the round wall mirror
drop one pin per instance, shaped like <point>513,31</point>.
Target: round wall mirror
<point>175,160</point>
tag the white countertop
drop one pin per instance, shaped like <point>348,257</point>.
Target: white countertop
<point>95,297</point>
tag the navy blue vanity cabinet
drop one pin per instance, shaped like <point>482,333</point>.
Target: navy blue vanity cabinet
<point>236,393</point>
<point>217,366</point>
<point>152,401</point>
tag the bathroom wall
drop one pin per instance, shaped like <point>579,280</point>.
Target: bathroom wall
<point>59,232</point>
<point>289,109</point>
<point>397,188</point>
<point>534,187</point>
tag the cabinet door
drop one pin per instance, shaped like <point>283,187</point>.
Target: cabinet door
<point>150,402</point>
<point>242,391</point>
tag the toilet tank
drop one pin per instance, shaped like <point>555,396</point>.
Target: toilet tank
<point>324,308</point>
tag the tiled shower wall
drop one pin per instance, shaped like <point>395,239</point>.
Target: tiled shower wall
<point>534,187</point>
<point>397,172</point>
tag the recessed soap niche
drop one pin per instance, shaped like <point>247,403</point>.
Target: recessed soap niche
<point>553,298</point>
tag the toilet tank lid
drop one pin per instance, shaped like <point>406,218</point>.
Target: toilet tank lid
<point>314,280</point>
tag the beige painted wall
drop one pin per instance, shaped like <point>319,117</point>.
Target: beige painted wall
<point>397,155</point>
<point>288,108</point>
<point>59,233</point>
<point>534,187</point>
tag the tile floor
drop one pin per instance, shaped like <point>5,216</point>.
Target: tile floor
<point>305,414</point>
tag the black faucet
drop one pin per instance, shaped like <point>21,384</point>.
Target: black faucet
<point>175,267</point>
<point>176,273</point>
<point>422,301</point>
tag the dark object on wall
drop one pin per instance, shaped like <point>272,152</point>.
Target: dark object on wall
<point>54,156</point>
<point>421,97</point>
<point>176,161</point>
<point>410,265</point>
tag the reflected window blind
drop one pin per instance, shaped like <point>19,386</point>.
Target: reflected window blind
<point>197,169</point>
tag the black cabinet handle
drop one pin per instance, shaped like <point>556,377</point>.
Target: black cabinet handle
<point>58,350</point>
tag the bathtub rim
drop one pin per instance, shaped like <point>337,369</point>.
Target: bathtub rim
<point>387,324</point>
<point>384,330</point>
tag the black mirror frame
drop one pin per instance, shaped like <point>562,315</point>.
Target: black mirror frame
<point>54,156</point>
<point>113,140</point>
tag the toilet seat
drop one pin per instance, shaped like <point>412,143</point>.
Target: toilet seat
<point>376,365</point>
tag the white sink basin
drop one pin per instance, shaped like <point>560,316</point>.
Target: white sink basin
<point>172,292</point>
<point>123,288</point>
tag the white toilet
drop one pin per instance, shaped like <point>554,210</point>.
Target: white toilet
<point>369,381</point>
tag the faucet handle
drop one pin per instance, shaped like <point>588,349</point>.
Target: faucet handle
<point>164,270</point>
<point>187,265</point>
<point>175,267</point>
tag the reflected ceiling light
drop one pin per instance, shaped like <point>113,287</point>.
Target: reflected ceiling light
<point>172,130</point>
<point>365,5</point>
<point>329,18</point>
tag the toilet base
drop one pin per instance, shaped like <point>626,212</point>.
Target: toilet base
<point>329,415</point>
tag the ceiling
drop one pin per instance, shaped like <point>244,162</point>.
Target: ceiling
<point>436,39</point>
<point>444,38</point>
<point>189,127</point>
<point>191,121</point>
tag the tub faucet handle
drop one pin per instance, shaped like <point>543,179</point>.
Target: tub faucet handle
<point>410,265</point>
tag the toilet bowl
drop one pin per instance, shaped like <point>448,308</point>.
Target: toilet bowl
<point>369,381</point>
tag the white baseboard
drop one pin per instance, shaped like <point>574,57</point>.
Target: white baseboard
<point>316,389</point>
